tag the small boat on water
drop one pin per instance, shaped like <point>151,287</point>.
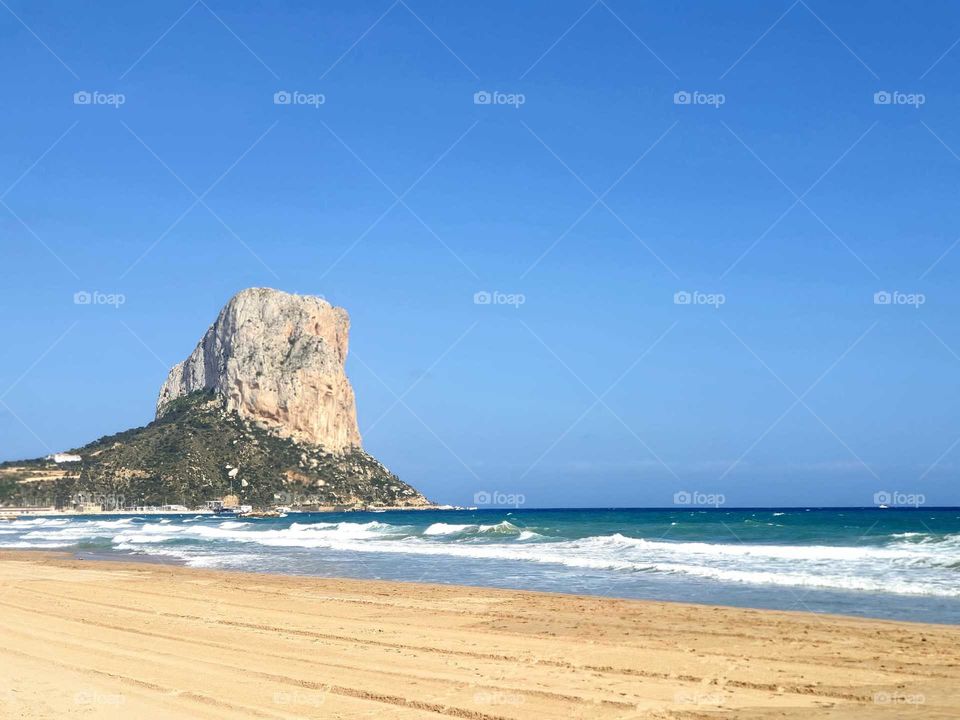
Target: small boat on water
<point>9,517</point>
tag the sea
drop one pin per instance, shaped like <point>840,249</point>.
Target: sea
<point>883,563</point>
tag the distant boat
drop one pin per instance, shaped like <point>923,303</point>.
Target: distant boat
<point>219,509</point>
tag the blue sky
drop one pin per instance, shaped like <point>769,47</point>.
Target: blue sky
<point>784,189</point>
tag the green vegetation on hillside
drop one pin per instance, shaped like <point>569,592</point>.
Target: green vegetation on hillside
<point>196,452</point>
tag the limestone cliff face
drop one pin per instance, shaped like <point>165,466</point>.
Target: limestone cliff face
<point>278,359</point>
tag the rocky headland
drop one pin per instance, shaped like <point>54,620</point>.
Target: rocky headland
<point>261,410</point>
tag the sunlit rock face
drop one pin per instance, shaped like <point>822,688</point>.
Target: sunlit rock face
<point>278,359</point>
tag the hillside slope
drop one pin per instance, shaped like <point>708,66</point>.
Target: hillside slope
<point>198,451</point>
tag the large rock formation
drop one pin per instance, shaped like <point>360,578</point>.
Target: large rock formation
<point>261,410</point>
<point>277,359</point>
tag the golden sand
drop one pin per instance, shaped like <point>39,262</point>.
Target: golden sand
<point>85,639</point>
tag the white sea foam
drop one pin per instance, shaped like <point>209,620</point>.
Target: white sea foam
<point>501,528</point>
<point>445,529</point>
<point>529,535</point>
<point>37,545</point>
<point>33,522</point>
<point>908,564</point>
<point>232,524</point>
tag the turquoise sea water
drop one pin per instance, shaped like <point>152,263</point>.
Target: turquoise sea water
<point>892,563</point>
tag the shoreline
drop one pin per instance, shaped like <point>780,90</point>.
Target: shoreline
<point>121,560</point>
<point>125,638</point>
<point>901,576</point>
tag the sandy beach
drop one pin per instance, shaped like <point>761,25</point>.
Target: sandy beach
<point>120,640</point>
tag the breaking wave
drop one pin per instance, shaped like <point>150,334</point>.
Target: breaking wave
<point>906,563</point>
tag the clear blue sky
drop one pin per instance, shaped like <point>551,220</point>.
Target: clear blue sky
<point>505,198</point>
